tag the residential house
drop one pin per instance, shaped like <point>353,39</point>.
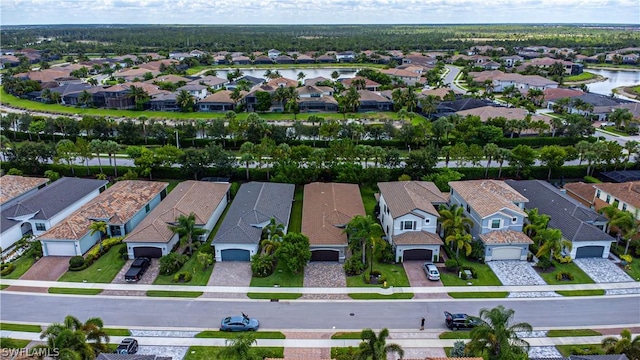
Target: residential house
<point>522,82</point>
<point>253,82</point>
<point>447,108</point>
<point>45,208</point>
<point>585,357</point>
<point>170,78</point>
<point>326,59</point>
<point>131,75</point>
<point>570,68</point>
<point>263,60</point>
<point>213,82</point>
<point>112,356</point>
<point>196,90</point>
<point>580,225</point>
<point>511,61</point>
<point>122,207</point>
<point>584,193</point>
<point>491,112</point>
<point>345,56</point>
<point>316,98</point>
<point>407,213</point>
<point>220,101</point>
<point>633,107</point>
<point>14,188</point>
<point>305,59</point>
<point>273,53</point>
<point>255,204</point>
<point>284,59</point>
<point>166,101</point>
<point>369,84</point>
<point>497,213</point>
<point>404,76</point>
<point>491,65</point>
<point>552,95</point>
<point>602,105</point>
<point>315,80</point>
<point>205,200</point>
<point>624,196</point>
<point>117,97</point>
<point>372,101</point>
<point>326,210</point>
<point>241,60</point>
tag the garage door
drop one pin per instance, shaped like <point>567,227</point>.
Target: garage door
<point>506,253</point>
<point>417,254</point>
<point>152,252</point>
<point>325,255</point>
<point>589,251</point>
<point>235,255</point>
<point>60,248</point>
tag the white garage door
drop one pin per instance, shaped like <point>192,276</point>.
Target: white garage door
<point>506,253</point>
<point>60,248</point>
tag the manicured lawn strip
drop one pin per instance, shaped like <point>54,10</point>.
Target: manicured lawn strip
<point>612,129</point>
<point>215,334</point>
<point>281,276</point>
<point>455,335</point>
<point>401,296</point>
<point>22,265</point>
<point>117,332</point>
<point>579,276</point>
<point>279,296</point>
<point>344,352</point>
<point>103,270</point>
<point>581,77</point>
<point>572,333</point>
<point>581,292</point>
<point>295,220</point>
<point>394,274</point>
<point>486,277</point>
<point>59,290</point>
<point>9,343</point>
<point>211,352</point>
<point>475,295</point>
<point>346,336</point>
<point>567,350</point>
<point>2,287</point>
<point>21,327</point>
<point>180,294</point>
<point>366,192</point>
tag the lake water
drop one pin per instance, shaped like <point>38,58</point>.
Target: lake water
<point>293,73</point>
<point>614,79</point>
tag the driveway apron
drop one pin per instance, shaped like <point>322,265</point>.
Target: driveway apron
<point>147,279</point>
<point>514,272</point>
<point>605,271</point>
<point>230,273</point>
<point>325,274</point>
<point>417,278</point>
<point>48,268</point>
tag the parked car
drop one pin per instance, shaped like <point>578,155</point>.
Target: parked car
<point>460,321</point>
<point>431,271</point>
<point>239,323</point>
<point>137,269</point>
<point>128,346</point>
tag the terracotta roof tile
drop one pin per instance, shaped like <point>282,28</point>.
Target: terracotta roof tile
<point>198,197</point>
<point>402,197</point>
<point>505,237</point>
<point>417,238</point>
<point>326,208</point>
<point>12,186</point>
<point>628,192</point>
<point>584,191</point>
<point>488,197</point>
<point>118,204</point>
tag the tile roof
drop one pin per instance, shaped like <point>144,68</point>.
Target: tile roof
<point>628,192</point>
<point>211,81</point>
<point>505,237</point>
<point>403,197</point>
<point>488,197</point>
<point>282,81</point>
<point>490,112</point>
<point>326,208</point>
<point>222,96</point>
<point>198,197</point>
<point>560,93</point>
<point>582,190</point>
<point>12,186</point>
<point>367,95</point>
<point>400,73</point>
<point>417,238</point>
<point>118,204</point>
<point>254,205</point>
<point>573,219</point>
<point>368,83</point>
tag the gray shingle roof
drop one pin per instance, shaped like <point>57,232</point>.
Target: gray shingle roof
<point>254,205</point>
<point>573,219</point>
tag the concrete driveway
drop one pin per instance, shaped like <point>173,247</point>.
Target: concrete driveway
<point>417,278</point>
<point>147,279</point>
<point>230,273</point>
<point>48,268</point>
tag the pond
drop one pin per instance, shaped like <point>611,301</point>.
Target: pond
<point>614,79</point>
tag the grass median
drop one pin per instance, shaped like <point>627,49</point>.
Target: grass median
<point>215,334</point>
<point>277,296</point>
<point>21,327</point>
<point>572,333</point>
<point>74,291</point>
<point>176,294</point>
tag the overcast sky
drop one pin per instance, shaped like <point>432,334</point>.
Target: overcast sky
<point>21,12</point>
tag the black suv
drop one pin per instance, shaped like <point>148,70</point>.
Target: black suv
<point>460,321</point>
<point>137,269</point>
<point>127,346</point>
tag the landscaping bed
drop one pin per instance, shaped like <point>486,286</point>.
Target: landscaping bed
<point>281,277</point>
<point>564,273</point>
<point>102,270</point>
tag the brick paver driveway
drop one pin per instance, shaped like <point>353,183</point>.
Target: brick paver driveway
<point>230,273</point>
<point>48,268</point>
<point>417,278</point>
<point>147,279</point>
<point>325,274</point>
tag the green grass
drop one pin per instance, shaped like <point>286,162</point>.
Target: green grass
<point>281,277</point>
<point>215,334</point>
<point>581,292</point>
<point>211,352</point>
<point>579,276</point>
<point>394,274</point>
<point>346,336</point>
<point>455,335</point>
<point>572,333</point>
<point>21,327</point>
<point>179,294</point>
<point>632,269</point>
<point>59,290</point>
<point>366,192</point>
<point>172,183</point>
<point>613,66</point>
<point>9,343</point>
<point>279,296</point>
<point>581,77</point>
<point>401,296</point>
<point>22,265</point>
<point>103,270</point>
<point>117,332</point>
<point>474,295</point>
<point>612,129</point>
<point>567,350</point>
<point>2,287</point>
<point>486,277</point>
<point>295,220</point>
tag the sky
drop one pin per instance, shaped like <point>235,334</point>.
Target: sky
<point>40,12</point>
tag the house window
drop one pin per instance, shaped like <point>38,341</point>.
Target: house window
<point>624,207</point>
<point>495,224</point>
<point>115,231</point>
<point>608,198</point>
<point>147,208</point>
<point>514,220</point>
<point>598,192</point>
<point>40,227</point>
<point>426,221</point>
<point>468,208</point>
<point>407,225</point>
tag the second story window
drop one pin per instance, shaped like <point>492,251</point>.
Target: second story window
<point>495,224</point>
<point>624,207</point>
<point>608,199</point>
<point>408,225</point>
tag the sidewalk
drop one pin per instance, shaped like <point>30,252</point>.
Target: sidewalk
<point>318,290</point>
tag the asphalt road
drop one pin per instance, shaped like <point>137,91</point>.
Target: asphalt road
<point>451,76</point>
<point>318,315</point>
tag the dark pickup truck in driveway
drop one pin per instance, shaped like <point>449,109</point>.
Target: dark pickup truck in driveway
<point>137,269</point>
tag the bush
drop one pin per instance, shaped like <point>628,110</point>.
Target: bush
<point>451,265</point>
<point>353,265</point>
<point>586,350</point>
<point>262,265</point>
<point>458,350</point>
<point>208,249</point>
<point>564,276</point>
<point>76,262</point>
<point>591,180</point>
<point>477,250</point>
<point>387,255</point>
<point>544,263</point>
<point>172,262</point>
<point>7,268</point>
<point>183,276</point>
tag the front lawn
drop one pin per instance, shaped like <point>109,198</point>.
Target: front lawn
<point>9,343</point>
<point>295,219</point>
<point>179,294</point>
<point>394,274</point>
<point>475,295</point>
<point>579,276</point>
<point>346,336</point>
<point>572,333</point>
<point>103,270</point>
<point>211,352</point>
<point>3,286</point>
<point>22,265</point>
<point>486,277</point>
<point>281,276</point>
<point>74,291</point>
<point>580,77</point>
<point>21,327</point>
<point>278,296</point>
<point>614,130</point>
<point>117,332</point>
<point>455,335</point>
<point>592,349</point>
<point>215,334</point>
<point>369,200</point>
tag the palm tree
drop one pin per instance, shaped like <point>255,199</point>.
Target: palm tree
<point>461,240</point>
<point>185,101</point>
<point>535,222</point>
<point>97,147</point>
<point>623,345</point>
<point>139,95</point>
<point>98,227</point>
<point>552,243</point>
<point>239,348</point>
<point>453,220</point>
<point>273,228</point>
<point>75,340</point>
<point>301,76</point>
<point>497,337</point>
<point>363,232</point>
<point>632,147</point>
<point>490,151</point>
<point>186,227</point>
<point>375,347</point>
<point>85,98</point>
<point>270,245</point>
<point>111,148</point>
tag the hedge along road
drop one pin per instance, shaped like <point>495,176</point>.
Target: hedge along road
<point>604,311</point>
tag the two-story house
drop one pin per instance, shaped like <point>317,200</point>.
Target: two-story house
<point>497,213</point>
<point>409,218</point>
<point>625,196</point>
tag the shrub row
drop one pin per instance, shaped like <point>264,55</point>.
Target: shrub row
<point>78,263</point>
<point>6,269</point>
